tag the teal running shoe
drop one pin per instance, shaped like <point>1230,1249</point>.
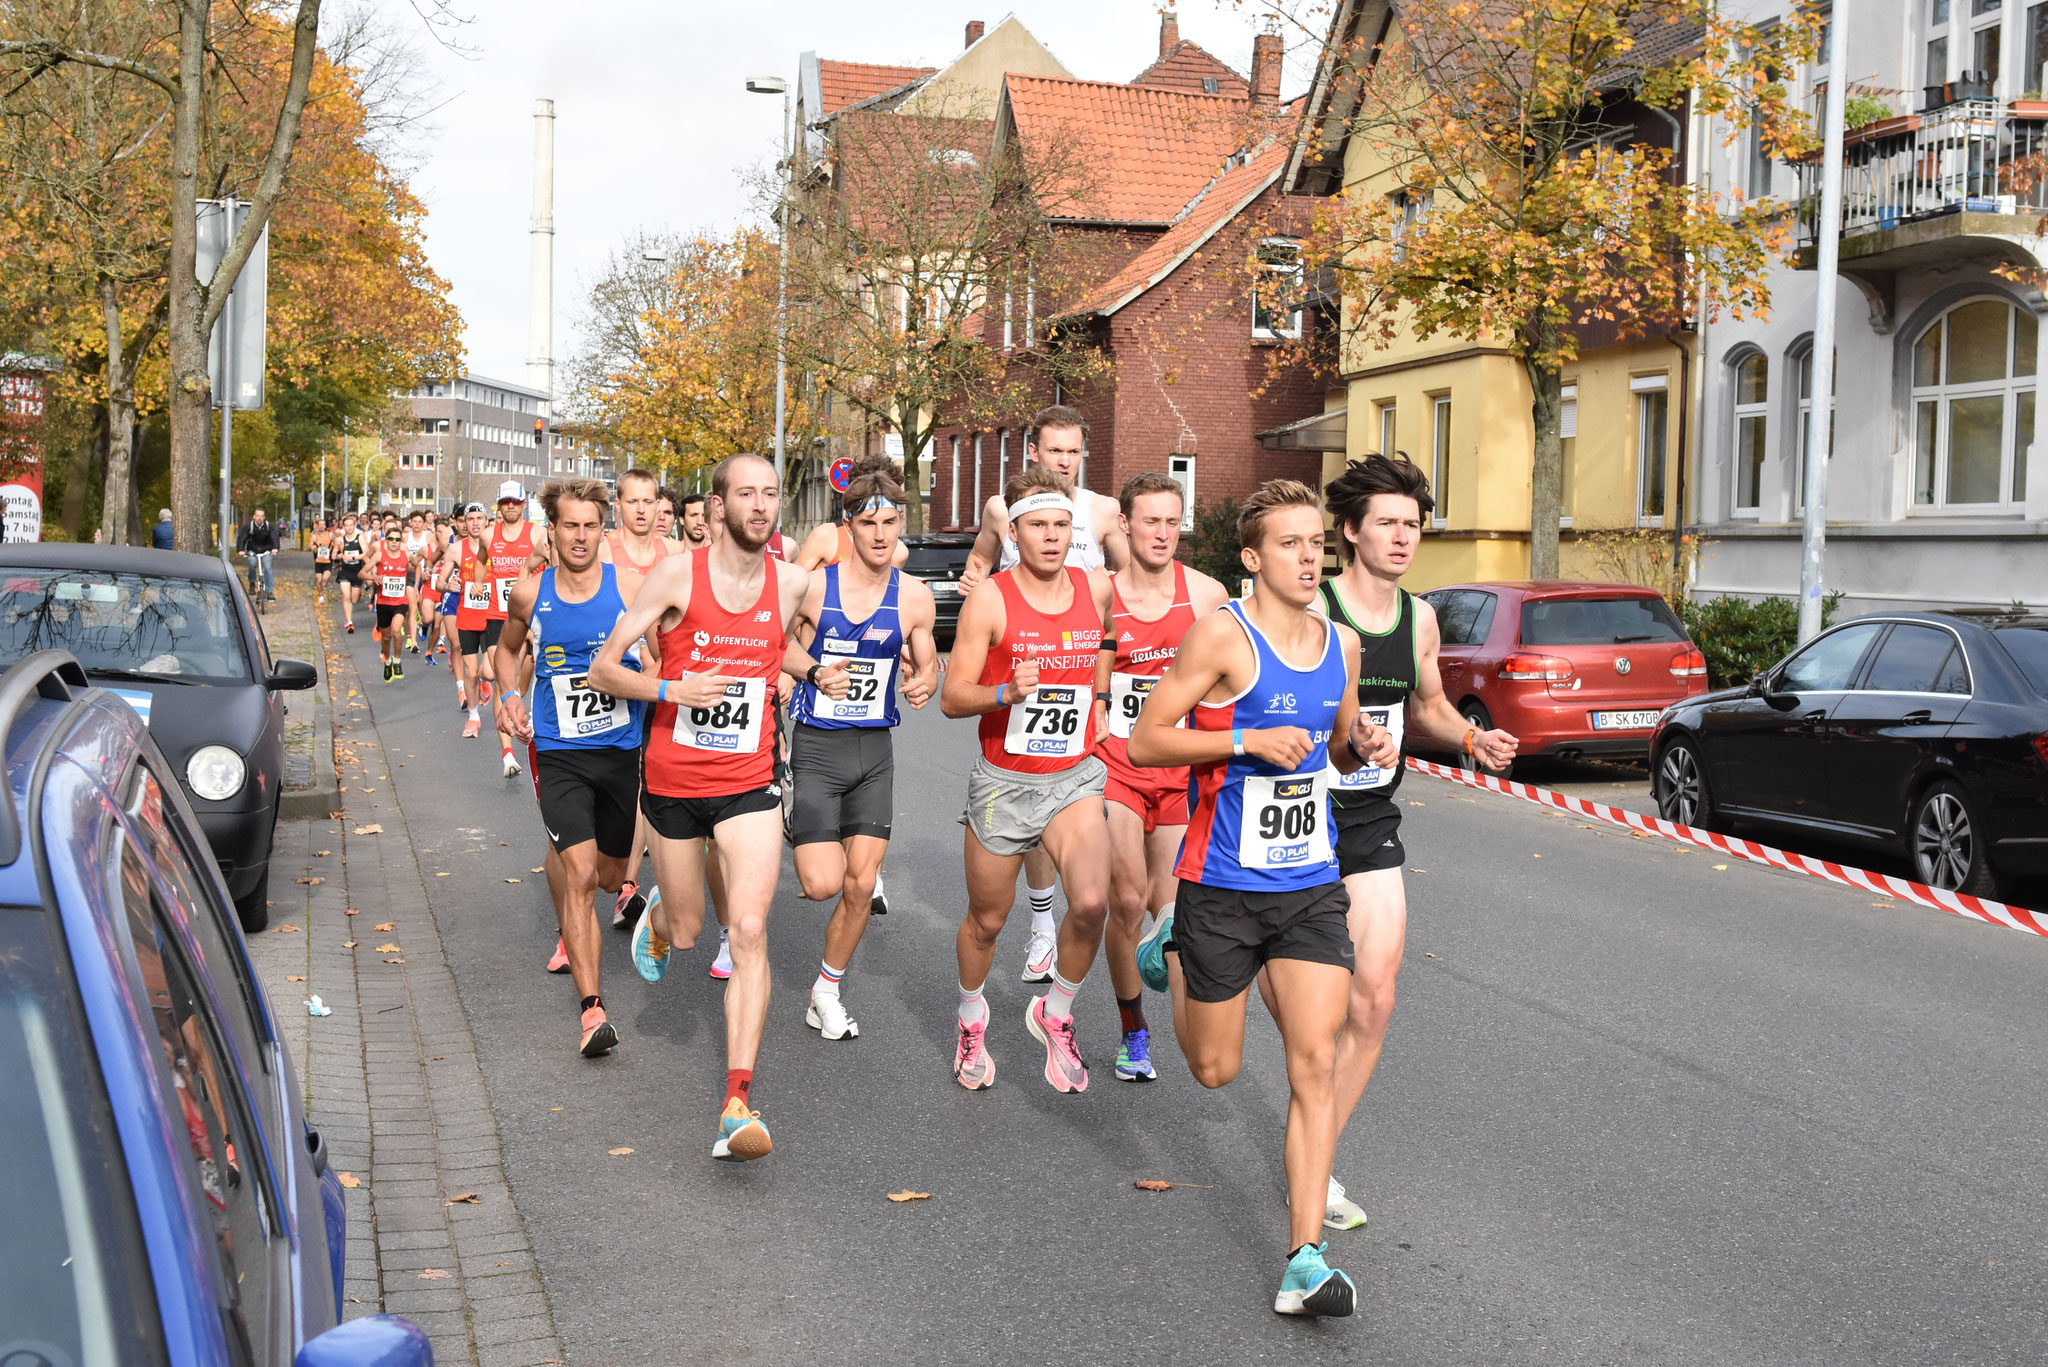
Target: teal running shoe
<point>1152,953</point>
<point>650,950</point>
<point>1313,1287</point>
<point>741,1135</point>
<point>1134,1060</point>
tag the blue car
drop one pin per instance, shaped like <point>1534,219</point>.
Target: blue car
<point>164,1199</point>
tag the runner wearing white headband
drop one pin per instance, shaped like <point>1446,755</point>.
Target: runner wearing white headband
<point>831,543</point>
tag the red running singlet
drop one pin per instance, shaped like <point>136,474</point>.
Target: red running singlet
<point>1053,728</point>
<point>472,613</point>
<point>727,748</point>
<point>390,575</point>
<point>1144,650</point>
<point>508,562</point>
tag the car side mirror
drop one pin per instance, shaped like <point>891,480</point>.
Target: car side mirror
<point>291,676</point>
<point>372,1341</point>
<point>1760,685</point>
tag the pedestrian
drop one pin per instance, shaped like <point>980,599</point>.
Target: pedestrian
<point>160,534</point>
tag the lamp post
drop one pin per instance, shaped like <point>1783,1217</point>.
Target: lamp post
<point>775,85</point>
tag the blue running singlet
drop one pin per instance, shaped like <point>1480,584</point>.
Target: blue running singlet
<point>870,649</point>
<point>568,714</point>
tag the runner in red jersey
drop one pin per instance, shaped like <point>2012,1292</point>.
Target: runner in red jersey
<point>516,547</point>
<point>1157,602</point>
<point>722,615</point>
<point>391,582</point>
<point>1024,662</point>
<point>467,563</point>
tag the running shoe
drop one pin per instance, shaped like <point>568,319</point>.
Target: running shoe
<point>560,963</point>
<point>350,628</point>
<point>627,909</point>
<point>974,1067</point>
<point>741,1135</point>
<point>483,692</point>
<point>1313,1287</point>
<point>461,697</point>
<point>413,646</point>
<point>1134,1060</point>
<point>600,1036</point>
<point>398,670</point>
<point>320,601</point>
<point>511,765</point>
<point>827,1016</point>
<point>1039,956</point>
<point>650,950</point>
<point>721,967</point>
<point>878,905</point>
<point>1340,1212</point>
<point>1063,1066</point>
<point>1152,953</point>
<point>472,728</point>
<point>387,671</point>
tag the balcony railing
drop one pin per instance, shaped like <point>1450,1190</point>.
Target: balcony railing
<point>1976,156</point>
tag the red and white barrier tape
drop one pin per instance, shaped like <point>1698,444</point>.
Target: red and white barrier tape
<point>1955,903</point>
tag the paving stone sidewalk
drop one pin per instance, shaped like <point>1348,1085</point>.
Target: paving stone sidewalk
<point>391,1076</point>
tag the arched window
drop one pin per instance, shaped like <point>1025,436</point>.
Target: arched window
<point>1752,402</point>
<point>1802,365</point>
<point>1973,406</point>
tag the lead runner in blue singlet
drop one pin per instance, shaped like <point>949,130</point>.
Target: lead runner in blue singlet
<point>583,745</point>
<point>1264,687</point>
<point>860,621</point>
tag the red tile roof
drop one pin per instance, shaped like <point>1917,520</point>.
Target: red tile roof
<point>1147,151</point>
<point>1183,67</point>
<point>843,83</point>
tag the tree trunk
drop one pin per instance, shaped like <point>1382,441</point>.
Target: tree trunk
<point>120,485</point>
<point>915,438</point>
<point>1546,474</point>
<point>191,393</point>
<point>84,463</point>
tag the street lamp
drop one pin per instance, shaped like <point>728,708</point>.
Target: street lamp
<point>775,85</point>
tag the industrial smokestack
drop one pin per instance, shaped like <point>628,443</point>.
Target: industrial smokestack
<point>540,327</point>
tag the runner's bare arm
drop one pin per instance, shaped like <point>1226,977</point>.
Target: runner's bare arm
<point>666,587</point>
<point>1352,725</point>
<point>1433,714</point>
<point>901,555</point>
<point>920,614</point>
<point>513,714</point>
<point>1205,595</point>
<point>988,544</point>
<point>1105,653</point>
<point>817,547</point>
<point>981,624</point>
<point>1109,533</point>
<point>797,660</point>
<point>1207,657</point>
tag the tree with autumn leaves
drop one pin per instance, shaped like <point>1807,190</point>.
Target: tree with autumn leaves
<point>1515,198</point>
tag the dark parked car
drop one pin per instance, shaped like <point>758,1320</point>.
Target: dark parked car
<point>165,1200</point>
<point>1570,667</point>
<point>938,558</point>
<point>174,635</point>
<point>1921,733</point>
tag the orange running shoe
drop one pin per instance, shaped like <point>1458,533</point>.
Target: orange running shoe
<point>472,728</point>
<point>600,1036</point>
<point>560,963</point>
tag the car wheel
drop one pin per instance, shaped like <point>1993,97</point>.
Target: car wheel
<point>253,911</point>
<point>1475,715</point>
<point>1682,794</point>
<point>1947,843</point>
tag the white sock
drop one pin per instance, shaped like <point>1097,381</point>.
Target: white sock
<point>828,980</point>
<point>473,716</point>
<point>973,1007</point>
<point>1041,910</point>
<point>1059,998</point>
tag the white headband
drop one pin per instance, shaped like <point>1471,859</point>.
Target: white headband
<point>1044,501</point>
<point>879,503</point>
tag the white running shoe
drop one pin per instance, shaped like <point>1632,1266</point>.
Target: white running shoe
<point>511,765</point>
<point>878,905</point>
<point>828,1017</point>
<point>721,967</point>
<point>1039,956</point>
<point>1340,1212</point>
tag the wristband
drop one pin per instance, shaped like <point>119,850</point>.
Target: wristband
<point>508,696</point>
<point>1102,697</point>
<point>661,691</point>
<point>1237,740</point>
<point>1470,732</point>
<point>1003,688</point>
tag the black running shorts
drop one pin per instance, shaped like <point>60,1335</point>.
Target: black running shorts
<point>696,818</point>
<point>387,611</point>
<point>475,642</point>
<point>586,793</point>
<point>845,781</point>
<point>1225,936</point>
<point>348,574</point>
<point>1368,835</point>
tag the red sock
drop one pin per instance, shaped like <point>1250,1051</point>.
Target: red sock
<point>1132,1012</point>
<point>738,1082</point>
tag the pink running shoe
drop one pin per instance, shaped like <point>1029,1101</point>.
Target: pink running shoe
<point>1063,1066</point>
<point>560,963</point>
<point>472,728</point>
<point>973,1066</point>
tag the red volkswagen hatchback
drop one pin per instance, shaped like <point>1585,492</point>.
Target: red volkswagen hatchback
<point>1571,667</point>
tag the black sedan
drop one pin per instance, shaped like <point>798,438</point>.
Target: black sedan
<point>1921,733</point>
<point>938,558</point>
<point>174,635</point>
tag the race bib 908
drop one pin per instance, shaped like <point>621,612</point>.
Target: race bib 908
<point>1285,822</point>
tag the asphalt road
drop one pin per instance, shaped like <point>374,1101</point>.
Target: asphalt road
<point>1636,1107</point>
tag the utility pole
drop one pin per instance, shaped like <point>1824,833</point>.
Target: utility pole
<point>1826,254</point>
<point>227,427</point>
<point>775,85</point>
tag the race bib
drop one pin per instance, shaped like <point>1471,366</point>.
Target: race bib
<point>1390,717</point>
<point>391,585</point>
<point>476,597</point>
<point>1051,722</point>
<point>867,691</point>
<point>1127,694</point>
<point>1285,823</point>
<point>502,588</point>
<point>732,726</point>
<point>581,710</point>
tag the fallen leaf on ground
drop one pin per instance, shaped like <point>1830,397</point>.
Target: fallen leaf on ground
<point>468,1198</point>
<point>504,842</point>
<point>617,1153</point>
<point>322,854</point>
<point>372,829</point>
<point>342,789</point>
<point>394,961</point>
<point>1535,856</point>
<point>557,1108</point>
<point>336,816</point>
<point>542,869</point>
<point>370,790</point>
<point>349,1179</point>
<point>1146,1184</point>
<point>348,944</point>
<point>393,948</point>
<point>351,692</point>
<point>352,911</point>
<point>511,880</point>
<point>908,1195</point>
<point>1720,866</point>
<point>287,930</point>
<point>440,875</point>
<point>437,1058</point>
<point>1429,956</point>
<point>295,977</point>
<point>385,925</point>
<point>435,1274</point>
<point>312,882</point>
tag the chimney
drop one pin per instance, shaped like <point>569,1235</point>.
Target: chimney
<point>1266,65</point>
<point>1169,31</point>
<point>975,28</point>
<point>540,331</point>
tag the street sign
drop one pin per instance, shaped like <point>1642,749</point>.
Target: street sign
<point>242,316</point>
<point>842,473</point>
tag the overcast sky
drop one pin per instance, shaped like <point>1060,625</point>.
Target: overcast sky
<point>654,127</point>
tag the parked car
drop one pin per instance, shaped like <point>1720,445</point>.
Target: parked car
<point>1571,668</point>
<point>939,558</point>
<point>174,635</point>
<point>1922,734</point>
<point>166,1201</point>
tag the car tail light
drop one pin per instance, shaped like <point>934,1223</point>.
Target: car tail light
<point>1523,665</point>
<point>1689,664</point>
<point>2041,747</point>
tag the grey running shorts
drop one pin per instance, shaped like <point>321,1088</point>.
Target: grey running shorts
<point>1009,812</point>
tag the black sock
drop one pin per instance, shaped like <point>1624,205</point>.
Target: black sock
<point>1132,1012</point>
<point>1291,1257</point>
<point>589,1002</point>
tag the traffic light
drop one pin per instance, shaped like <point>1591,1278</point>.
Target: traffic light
<point>540,426</point>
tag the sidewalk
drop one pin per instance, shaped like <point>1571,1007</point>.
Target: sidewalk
<point>391,1076</point>
<point>309,782</point>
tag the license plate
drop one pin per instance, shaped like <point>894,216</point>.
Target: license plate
<point>1624,721</point>
<point>942,589</point>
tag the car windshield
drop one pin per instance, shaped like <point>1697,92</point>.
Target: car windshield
<point>1598,622</point>
<point>140,623</point>
<point>926,561</point>
<point>2029,646</point>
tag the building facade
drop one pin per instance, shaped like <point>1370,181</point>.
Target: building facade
<point>472,433</point>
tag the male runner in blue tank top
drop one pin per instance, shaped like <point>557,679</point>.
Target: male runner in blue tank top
<point>859,613</point>
<point>584,745</point>
<point>1265,686</point>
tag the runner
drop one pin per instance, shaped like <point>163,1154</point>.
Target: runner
<point>1258,882</point>
<point>323,561</point>
<point>1024,662</point>
<point>710,766</point>
<point>420,548</point>
<point>1378,505</point>
<point>1158,601</point>
<point>468,561</point>
<point>391,577</point>
<point>351,548</point>
<point>584,745</point>
<point>516,544</point>
<point>831,543</point>
<point>858,615</point>
<point>447,582</point>
<point>1057,439</point>
<point>693,524</point>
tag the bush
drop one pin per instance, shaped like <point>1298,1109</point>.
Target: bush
<point>1212,546</point>
<point>1741,639</point>
<point>1860,110</point>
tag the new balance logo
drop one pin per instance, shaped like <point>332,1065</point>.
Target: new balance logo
<point>764,614</point>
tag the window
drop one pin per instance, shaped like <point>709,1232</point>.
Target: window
<point>1568,438</point>
<point>1009,328</point>
<point>1440,458</point>
<point>1826,15</point>
<point>1276,298</point>
<point>1803,438</point>
<point>1829,663</point>
<point>1387,443</point>
<point>1208,85</point>
<point>2028,647</point>
<point>1752,395</point>
<point>2037,48</point>
<point>1598,621</point>
<point>1182,468</point>
<point>1916,659</point>
<point>1002,456</point>
<point>979,501</point>
<point>1937,60</point>
<point>955,481</point>
<point>1986,40</point>
<point>1653,446</point>
<point>1973,406</point>
<point>158,624</point>
<point>1410,208</point>
<point>1463,616</point>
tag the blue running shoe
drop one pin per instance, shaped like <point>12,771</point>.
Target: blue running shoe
<point>1134,1060</point>
<point>742,1136</point>
<point>1152,953</point>
<point>650,951</point>
<point>1313,1287</point>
